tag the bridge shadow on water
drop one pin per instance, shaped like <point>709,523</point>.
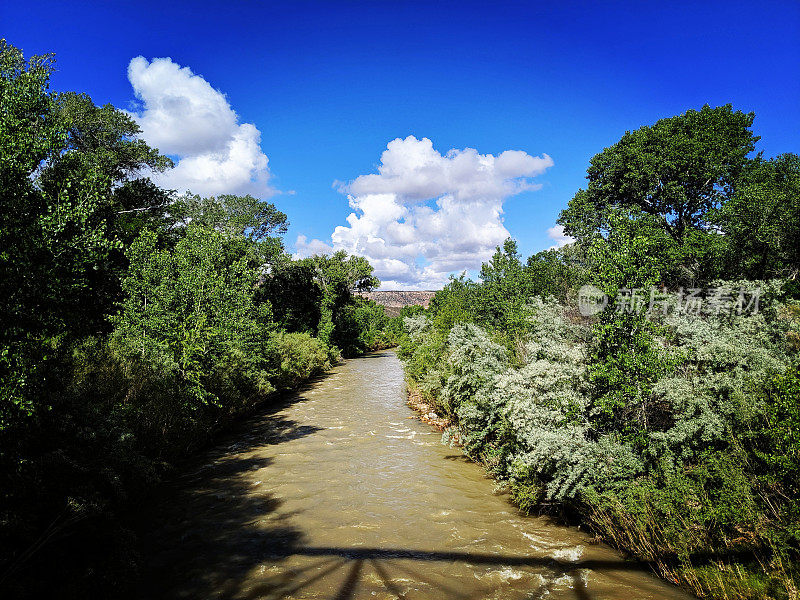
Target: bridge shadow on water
<point>354,561</point>
<point>228,567</point>
<point>222,539</point>
<point>200,538</point>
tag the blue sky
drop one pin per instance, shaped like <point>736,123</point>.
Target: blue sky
<point>329,84</point>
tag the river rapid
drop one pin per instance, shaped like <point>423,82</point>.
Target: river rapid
<point>340,492</point>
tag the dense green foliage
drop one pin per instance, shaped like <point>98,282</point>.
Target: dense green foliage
<point>672,432</point>
<point>135,324</point>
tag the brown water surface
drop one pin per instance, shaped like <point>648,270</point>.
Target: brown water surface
<point>341,493</point>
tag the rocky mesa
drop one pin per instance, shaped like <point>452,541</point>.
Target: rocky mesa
<point>393,301</point>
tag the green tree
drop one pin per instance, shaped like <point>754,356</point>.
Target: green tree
<point>504,291</point>
<point>230,214</point>
<point>360,326</point>
<point>626,362</point>
<point>188,310</point>
<point>556,272</point>
<point>98,137</point>
<point>295,298</point>
<point>676,172</point>
<point>69,181</point>
<point>56,189</point>
<point>761,221</point>
<point>455,303</point>
<point>103,140</point>
<point>632,255</point>
<point>338,277</point>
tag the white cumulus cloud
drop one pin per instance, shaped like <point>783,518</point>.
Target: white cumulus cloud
<point>425,215</point>
<point>183,116</point>
<point>310,248</point>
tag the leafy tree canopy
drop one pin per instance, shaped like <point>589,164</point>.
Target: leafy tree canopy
<point>761,221</point>
<point>231,214</point>
<point>338,276</point>
<point>677,170</point>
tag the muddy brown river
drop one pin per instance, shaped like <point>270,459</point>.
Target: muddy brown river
<point>340,492</point>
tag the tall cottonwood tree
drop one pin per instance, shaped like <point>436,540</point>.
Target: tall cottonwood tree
<point>676,173</point>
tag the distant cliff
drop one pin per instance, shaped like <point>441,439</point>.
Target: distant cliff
<point>393,301</point>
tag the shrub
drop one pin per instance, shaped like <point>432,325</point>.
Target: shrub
<point>295,357</point>
<point>423,349</point>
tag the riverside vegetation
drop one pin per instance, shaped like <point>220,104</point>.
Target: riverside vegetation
<point>136,323</point>
<point>673,434</point>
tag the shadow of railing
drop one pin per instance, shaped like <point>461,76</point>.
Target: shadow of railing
<point>230,561</point>
<point>345,567</point>
<point>476,558</point>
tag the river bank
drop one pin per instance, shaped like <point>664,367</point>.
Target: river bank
<point>427,412</point>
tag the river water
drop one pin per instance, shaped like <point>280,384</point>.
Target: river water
<point>340,492</point>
